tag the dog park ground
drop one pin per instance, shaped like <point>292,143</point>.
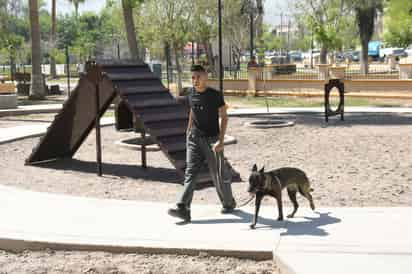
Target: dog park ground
<point>362,161</point>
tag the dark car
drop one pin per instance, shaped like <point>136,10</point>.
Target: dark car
<point>352,55</point>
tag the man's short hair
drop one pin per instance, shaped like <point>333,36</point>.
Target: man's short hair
<point>197,68</point>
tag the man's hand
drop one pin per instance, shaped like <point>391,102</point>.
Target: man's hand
<point>218,146</point>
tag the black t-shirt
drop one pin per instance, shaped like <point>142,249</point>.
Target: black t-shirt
<point>205,110</point>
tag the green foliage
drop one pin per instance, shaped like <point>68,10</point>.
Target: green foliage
<point>398,22</point>
<point>327,19</point>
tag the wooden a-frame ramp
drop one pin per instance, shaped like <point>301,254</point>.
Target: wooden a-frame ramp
<point>162,116</point>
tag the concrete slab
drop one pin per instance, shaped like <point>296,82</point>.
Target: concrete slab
<point>32,220</point>
<point>30,109</point>
<point>347,240</point>
<point>11,134</point>
<point>8,101</point>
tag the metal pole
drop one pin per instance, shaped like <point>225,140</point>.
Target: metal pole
<point>287,53</point>
<point>167,65</point>
<point>193,53</point>
<point>251,34</point>
<point>144,162</point>
<point>118,49</point>
<point>311,50</point>
<point>68,70</point>
<point>281,33</point>
<point>98,136</point>
<point>220,46</point>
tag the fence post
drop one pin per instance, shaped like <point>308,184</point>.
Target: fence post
<point>252,74</point>
<point>323,71</point>
<point>337,72</point>
<point>405,71</point>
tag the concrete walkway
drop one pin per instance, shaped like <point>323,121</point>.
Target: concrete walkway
<point>31,109</point>
<point>11,134</point>
<point>329,241</point>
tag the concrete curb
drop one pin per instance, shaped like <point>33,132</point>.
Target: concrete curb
<point>38,221</point>
<point>40,131</point>
<point>20,245</point>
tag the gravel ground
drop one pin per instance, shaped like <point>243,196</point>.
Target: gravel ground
<point>107,263</point>
<point>363,161</point>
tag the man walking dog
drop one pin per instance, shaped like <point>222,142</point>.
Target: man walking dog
<point>205,137</point>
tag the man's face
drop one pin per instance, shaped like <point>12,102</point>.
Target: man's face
<point>199,80</point>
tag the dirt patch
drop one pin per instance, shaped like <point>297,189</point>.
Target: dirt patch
<point>363,161</point>
<point>107,263</point>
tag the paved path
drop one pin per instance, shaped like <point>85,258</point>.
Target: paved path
<point>31,109</point>
<point>38,220</point>
<point>348,240</point>
<point>10,134</point>
<point>329,241</point>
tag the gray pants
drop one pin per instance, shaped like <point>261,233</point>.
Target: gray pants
<point>199,149</point>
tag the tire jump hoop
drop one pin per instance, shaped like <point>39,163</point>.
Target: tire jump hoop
<point>334,83</point>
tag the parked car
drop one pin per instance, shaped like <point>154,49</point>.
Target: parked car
<point>278,58</point>
<point>351,55</point>
<point>408,50</point>
<point>315,53</point>
<point>397,52</point>
<point>295,56</point>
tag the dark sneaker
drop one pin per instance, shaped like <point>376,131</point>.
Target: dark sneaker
<point>228,209</point>
<point>180,212</point>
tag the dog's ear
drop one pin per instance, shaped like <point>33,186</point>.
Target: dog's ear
<point>262,170</point>
<point>254,168</point>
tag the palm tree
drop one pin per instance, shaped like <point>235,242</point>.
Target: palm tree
<point>366,12</point>
<point>36,87</point>
<point>127,6</point>
<point>53,40</point>
<point>76,6</point>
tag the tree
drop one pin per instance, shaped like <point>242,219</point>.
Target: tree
<point>76,6</point>
<point>366,12</point>
<point>36,87</point>
<point>204,28</point>
<point>398,22</point>
<point>326,19</point>
<point>169,21</point>
<point>127,6</point>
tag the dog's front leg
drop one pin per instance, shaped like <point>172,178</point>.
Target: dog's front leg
<point>280,205</point>
<point>257,206</point>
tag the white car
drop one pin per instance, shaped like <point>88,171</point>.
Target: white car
<point>397,52</point>
<point>408,51</point>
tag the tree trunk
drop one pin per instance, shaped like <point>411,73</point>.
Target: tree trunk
<point>210,59</point>
<point>179,72</point>
<point>36,87</point>
<point>366,24</point>
<point>364,64</point>
<point>323,55</point>
<point>53,41</point>
<point>130,29</point>
<point>76,9</point>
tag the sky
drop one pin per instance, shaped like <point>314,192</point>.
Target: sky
<point>273,8</point>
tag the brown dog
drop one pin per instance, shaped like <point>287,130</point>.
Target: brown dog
<point>271,183</point>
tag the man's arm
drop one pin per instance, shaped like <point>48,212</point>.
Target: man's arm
<point>223,123</point>
<point>222,131</point>
<point>189,123</point>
